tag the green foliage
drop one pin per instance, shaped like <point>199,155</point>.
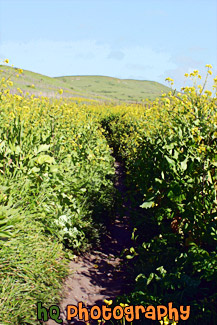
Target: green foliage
<point>31,269</point>
<point>170,158</point>
<point>56,186</point>
<point>56,190</point>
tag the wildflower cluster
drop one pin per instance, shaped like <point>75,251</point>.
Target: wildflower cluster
<point>56,182</point>
<point>169,150</point>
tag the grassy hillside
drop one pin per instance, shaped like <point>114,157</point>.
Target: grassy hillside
<point>96,87</point>
<point>120,89</point>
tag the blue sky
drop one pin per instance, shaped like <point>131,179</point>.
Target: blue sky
<point>139,39</point>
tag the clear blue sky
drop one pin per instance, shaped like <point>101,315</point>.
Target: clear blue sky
<point>140,39</point>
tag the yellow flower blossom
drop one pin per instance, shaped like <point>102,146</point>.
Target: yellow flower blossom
<point>200,88</point>
<point>208,92</point>
<point>108,302</point>
<point>170,80</point>
<point>10,83</point>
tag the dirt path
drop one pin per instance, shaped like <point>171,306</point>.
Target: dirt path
<point>100,274</point>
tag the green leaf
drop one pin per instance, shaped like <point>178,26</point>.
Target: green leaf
<point>171,162</point>
<point>184,164</point>
<point>147,204</point>
<point>141,276</point>
<point>209,177</point>
<point>5,234</point>
<point>214,163</point>
<point>43,147</point>
<point>54,168</point>
<point>34,170</point>
<point>162,270</point>
<point>150,278</point>
<point>45,159</point>
<point>129,257</point>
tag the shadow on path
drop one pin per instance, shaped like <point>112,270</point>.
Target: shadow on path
<point>100,274</point>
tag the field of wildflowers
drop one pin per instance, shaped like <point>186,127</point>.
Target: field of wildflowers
<point>169,149</point>
<point>56,189</point>
<point>55,165</point>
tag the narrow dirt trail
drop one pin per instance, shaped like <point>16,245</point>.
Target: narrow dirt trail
<point>100,274</point>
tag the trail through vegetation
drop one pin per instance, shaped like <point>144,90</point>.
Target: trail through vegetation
<point>57,197</point>
<point>101,274</point>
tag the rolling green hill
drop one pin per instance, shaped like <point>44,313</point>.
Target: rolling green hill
<point>119,89</point>
<point>95,87</point>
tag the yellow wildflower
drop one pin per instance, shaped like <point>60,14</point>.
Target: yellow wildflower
<point>108,302</point>
<point>208,92</point>
<point>169,80</point>
<point>200,88</point>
